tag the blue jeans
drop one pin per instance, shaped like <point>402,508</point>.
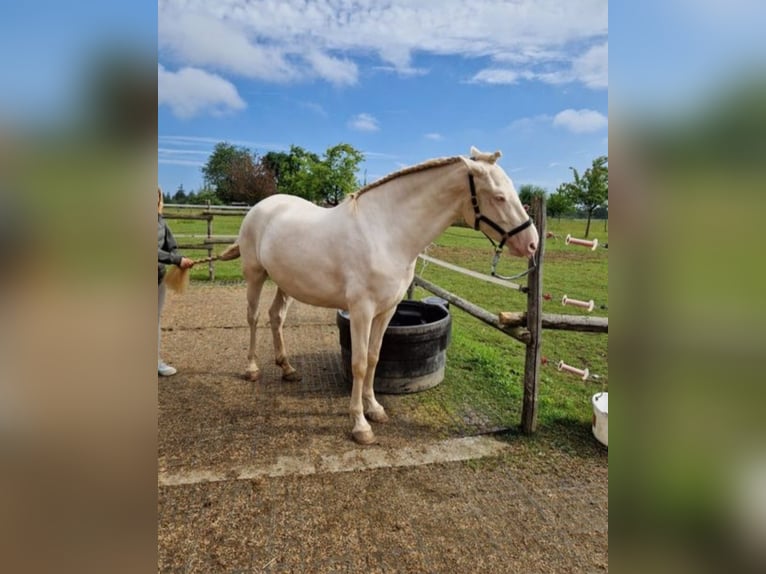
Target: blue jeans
<point>160,304</point>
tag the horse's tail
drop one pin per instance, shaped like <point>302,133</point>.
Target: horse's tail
<point>231,252</point>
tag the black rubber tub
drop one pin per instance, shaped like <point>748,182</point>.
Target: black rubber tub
<point>414,349</point>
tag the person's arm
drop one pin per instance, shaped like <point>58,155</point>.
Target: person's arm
<point>168,252</point>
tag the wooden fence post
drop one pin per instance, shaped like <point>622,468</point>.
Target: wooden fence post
<point>534,325</point>
<point>210,266</point>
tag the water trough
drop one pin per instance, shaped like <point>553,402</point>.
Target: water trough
<point>414,349</point>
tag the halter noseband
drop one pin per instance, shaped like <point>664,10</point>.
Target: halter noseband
<point>505,235</point>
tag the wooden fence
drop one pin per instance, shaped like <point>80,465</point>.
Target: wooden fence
<point>205,213</point>
<point>524,327</point>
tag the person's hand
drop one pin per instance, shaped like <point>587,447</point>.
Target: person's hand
<point>186,263</point>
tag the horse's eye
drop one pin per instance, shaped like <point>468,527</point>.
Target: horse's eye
<point>500,198</point>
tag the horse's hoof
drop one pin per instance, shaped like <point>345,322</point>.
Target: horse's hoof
<point>253,376</point>
<point>293,377</point>
<point>364,437</point>
<point>377,416</point>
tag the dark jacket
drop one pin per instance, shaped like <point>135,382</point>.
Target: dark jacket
<point>167,248</point>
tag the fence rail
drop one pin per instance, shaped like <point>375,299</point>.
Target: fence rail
<point>224,209</point>
<point>205,212</point>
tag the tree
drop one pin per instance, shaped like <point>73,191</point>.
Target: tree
<point>323,180</point>
<point>249,180</point>
<point>282,165</point>
<point>336,173</point>
<point>236,174</point>
<point>527,192</point>
<point>216,170</point>
<point>558,204</point>
<point>327,179</point>
<point>302,175</point>
<point>590,190</point>
<point>204,195</point>
<point>180,195</point>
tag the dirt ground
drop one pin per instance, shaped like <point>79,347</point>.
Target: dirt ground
<point>268,479</point>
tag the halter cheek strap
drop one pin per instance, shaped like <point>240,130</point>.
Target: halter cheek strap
<point>479,218</point>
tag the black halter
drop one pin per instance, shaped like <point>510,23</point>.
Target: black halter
<point>506,235</point>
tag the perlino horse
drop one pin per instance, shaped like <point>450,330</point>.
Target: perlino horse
<point>360,255</point>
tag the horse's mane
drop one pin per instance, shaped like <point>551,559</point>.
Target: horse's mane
<point>437,162</point>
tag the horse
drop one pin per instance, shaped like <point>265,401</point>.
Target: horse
<point>359,256</point>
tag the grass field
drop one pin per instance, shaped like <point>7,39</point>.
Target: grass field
<point>484,366</point>
<point>484,360</point>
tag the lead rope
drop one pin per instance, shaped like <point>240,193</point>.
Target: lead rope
<point>496,259</point>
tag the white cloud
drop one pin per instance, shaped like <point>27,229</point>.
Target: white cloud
<point>592,67</point>
<point>334,70</point>
<point>294,40</point>
<point>404,71</point>
<point>203,39</point>
<point>580,121</point>
<point>528,123</point>
<point>191,92</point>
<point>363,123</point>
<point>434,136</point>
<point>495,76</point>
<point>314,107</point>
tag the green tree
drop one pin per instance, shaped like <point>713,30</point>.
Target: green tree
<point>180,195</point>
<point>279,163</point>
<point>336,173</point>
<point>558,204</point>
<point>216,171</point>
<point>589,190</point>
<point>327,179</point>
<point>204,195</point>
<point>303,174</point>
<point>527,192</point>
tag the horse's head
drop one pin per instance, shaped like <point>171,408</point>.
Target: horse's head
<point>494,206</point>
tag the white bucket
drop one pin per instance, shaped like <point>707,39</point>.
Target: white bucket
<point>601,418</point>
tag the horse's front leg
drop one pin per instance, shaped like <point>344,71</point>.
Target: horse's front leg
<point>373,409</point>
<point>360,320</point>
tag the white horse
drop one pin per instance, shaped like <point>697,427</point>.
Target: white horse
<point>360,255</point>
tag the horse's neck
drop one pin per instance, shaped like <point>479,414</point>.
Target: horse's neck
<point>415,209</point>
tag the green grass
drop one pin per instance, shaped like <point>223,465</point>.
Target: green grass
<point>484,366</point>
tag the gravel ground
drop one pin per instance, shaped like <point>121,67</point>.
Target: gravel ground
<point>270,481</point>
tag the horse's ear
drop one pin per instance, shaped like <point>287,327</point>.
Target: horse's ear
<point>482,156</point>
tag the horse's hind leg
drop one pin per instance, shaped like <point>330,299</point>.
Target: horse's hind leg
<point>277,314</point>
<point>255,280</point>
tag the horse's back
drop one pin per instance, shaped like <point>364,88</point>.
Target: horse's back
<point>275,212</point>
<point>301,246</point>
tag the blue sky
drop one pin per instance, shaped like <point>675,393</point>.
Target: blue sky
<point>401,81</point>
